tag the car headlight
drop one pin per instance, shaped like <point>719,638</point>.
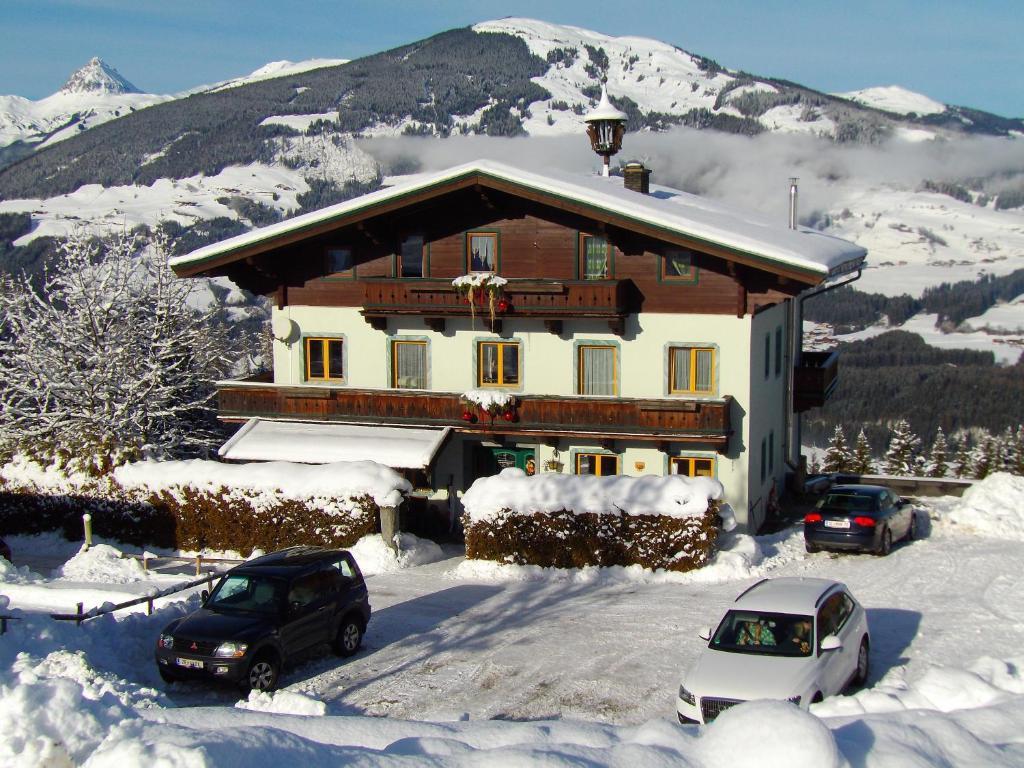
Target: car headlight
<point>165,641</point>
<point>686,696</point>
<point>230,650</point>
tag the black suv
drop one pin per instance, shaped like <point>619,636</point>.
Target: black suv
<point>265,613</point>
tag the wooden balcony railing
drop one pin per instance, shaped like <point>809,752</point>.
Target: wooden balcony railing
<point>815,379</point>
<point>551,300</point>
<point>600,419</point>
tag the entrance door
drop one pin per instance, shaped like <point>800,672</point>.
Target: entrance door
<point>489,460</point>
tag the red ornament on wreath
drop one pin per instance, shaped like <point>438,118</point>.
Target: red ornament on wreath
<point>504,305</point>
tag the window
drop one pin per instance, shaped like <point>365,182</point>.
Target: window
<point>600,464</point>
<point>596,375</point>
<point>595,258</point>
<point>339,261</point>
<point>764,459</point>
<point>677,267</point>
<point>482,252</point>
<point>324,359</point>
<point>412,257</point>
<point>498,364</point>
<point>767,354</point>
<point>833,614</point>
<point>409,364</point>
<point>691,369</point>
<point>771,452</point>
<point>691,466</point>
<point>778,351</point>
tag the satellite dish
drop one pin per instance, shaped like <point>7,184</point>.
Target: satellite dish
<point>282,327</point>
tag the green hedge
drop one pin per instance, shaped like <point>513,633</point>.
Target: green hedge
<point>567,540</point>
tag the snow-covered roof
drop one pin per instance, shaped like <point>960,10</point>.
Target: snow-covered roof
<point>318,443</point>
<point>665,210</point>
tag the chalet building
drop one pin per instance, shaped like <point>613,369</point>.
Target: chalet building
<point>634,330</point>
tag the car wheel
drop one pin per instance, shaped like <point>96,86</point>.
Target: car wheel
<point>863,664</point>
<point>885,544</point>
<point>263,674</point>
<point>350,637</point>
<point>167,677</point>
<point>912,530</point>
<point>811,548</point>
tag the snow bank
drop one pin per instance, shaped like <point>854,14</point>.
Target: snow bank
<point>770,730</point>
<point>299,481</point>
<point>991,507</point>
<point>283,703</point>
<point>672,496</point>
<point>374,556</point>
<point>103,563</point>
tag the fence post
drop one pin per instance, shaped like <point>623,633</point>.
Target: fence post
<point>145,563</point>
<point>78,620</point>
<point>149,607</point>
<point>199,565</point>
<point>87,524</point>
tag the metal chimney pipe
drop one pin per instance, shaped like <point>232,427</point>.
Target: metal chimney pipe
<point>792,202</point>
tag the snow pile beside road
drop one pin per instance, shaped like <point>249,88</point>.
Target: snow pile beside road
<point>103,563</point>
<point>672,496</point>
<point>992,507</point>
<point>299,481</point>
<point>374,556</point>
<point>14,574</point>
<point>283,703</point>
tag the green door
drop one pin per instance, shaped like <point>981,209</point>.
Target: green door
<point>488,460</point>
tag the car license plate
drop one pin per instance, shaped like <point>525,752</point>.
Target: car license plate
<point>837,523</point>
<point>190,663</point>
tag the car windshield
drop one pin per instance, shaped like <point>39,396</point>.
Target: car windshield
<point>773,634</point>
<point>252,594</point>
<point>852,502</point>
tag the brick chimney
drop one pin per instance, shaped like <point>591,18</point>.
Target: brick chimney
<point>636,177</point>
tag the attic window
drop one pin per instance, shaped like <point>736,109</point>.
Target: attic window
<point>677,266</point>
<point>411,257</point>
<point>595,258</point>
<point>482,252</point>
<point>339,261</point>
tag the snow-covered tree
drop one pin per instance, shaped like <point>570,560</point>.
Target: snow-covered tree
<point>962,459</point>
<point>938,458</point>
<point>1007,451</point>
<point>899,458</point>
<point>106,360</point>
<point>862,462</point>
<point>985,457</point>
<point>837,455</point>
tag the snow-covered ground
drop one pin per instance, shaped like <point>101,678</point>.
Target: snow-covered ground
<point>483,664</point>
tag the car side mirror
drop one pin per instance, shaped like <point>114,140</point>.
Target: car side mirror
<point>704,633</point>
<point>204,595</point>
<point>831,643</point>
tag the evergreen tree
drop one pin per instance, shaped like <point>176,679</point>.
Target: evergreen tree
<point>938,465</point>
<point>962,459</point>
<point>1006,451</point>
<point>862,462</point>
<point>837,455</point>
<point>984,457</point>
<point>1018,451</point>
<point>107,361</point>
<point>903,444</point>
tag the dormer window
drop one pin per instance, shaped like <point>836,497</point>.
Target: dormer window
<point>339,261</point>
<point>411,257</point>
<point>595,258</point>
<point>482,252</point>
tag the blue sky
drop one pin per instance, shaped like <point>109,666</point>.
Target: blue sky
<point>959,52</point>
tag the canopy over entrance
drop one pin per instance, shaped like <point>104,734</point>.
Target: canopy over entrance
<point>321,443</point>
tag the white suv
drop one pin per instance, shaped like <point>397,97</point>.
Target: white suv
<point>795,639</point>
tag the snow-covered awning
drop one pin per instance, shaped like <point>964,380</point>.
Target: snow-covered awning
<point>320,443</point>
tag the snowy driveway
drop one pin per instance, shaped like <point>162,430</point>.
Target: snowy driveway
<point>612,648</point>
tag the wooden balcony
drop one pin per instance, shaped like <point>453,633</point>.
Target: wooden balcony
<point>815,379</point>
<point>550,300</point>
<point>599,419</point>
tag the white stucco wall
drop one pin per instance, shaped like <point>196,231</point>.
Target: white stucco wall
<point>549,366</point>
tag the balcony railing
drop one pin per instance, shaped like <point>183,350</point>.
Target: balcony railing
<point>600,419</point>
<point>815,379</point>
<point>551,300</point>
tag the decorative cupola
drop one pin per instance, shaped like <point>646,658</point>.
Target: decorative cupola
<point>605,126</point>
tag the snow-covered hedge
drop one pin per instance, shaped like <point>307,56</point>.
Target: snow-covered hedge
<point>205,504</point>
<point>571,521</point>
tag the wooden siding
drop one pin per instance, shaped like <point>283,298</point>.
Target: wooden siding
<point>815,379</point>
<point>686,421</point>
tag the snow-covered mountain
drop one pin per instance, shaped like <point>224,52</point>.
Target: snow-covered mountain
<point>92,95</point>
<point>893,98</point>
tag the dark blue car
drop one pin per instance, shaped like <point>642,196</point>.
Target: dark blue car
<point>864,518</point>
